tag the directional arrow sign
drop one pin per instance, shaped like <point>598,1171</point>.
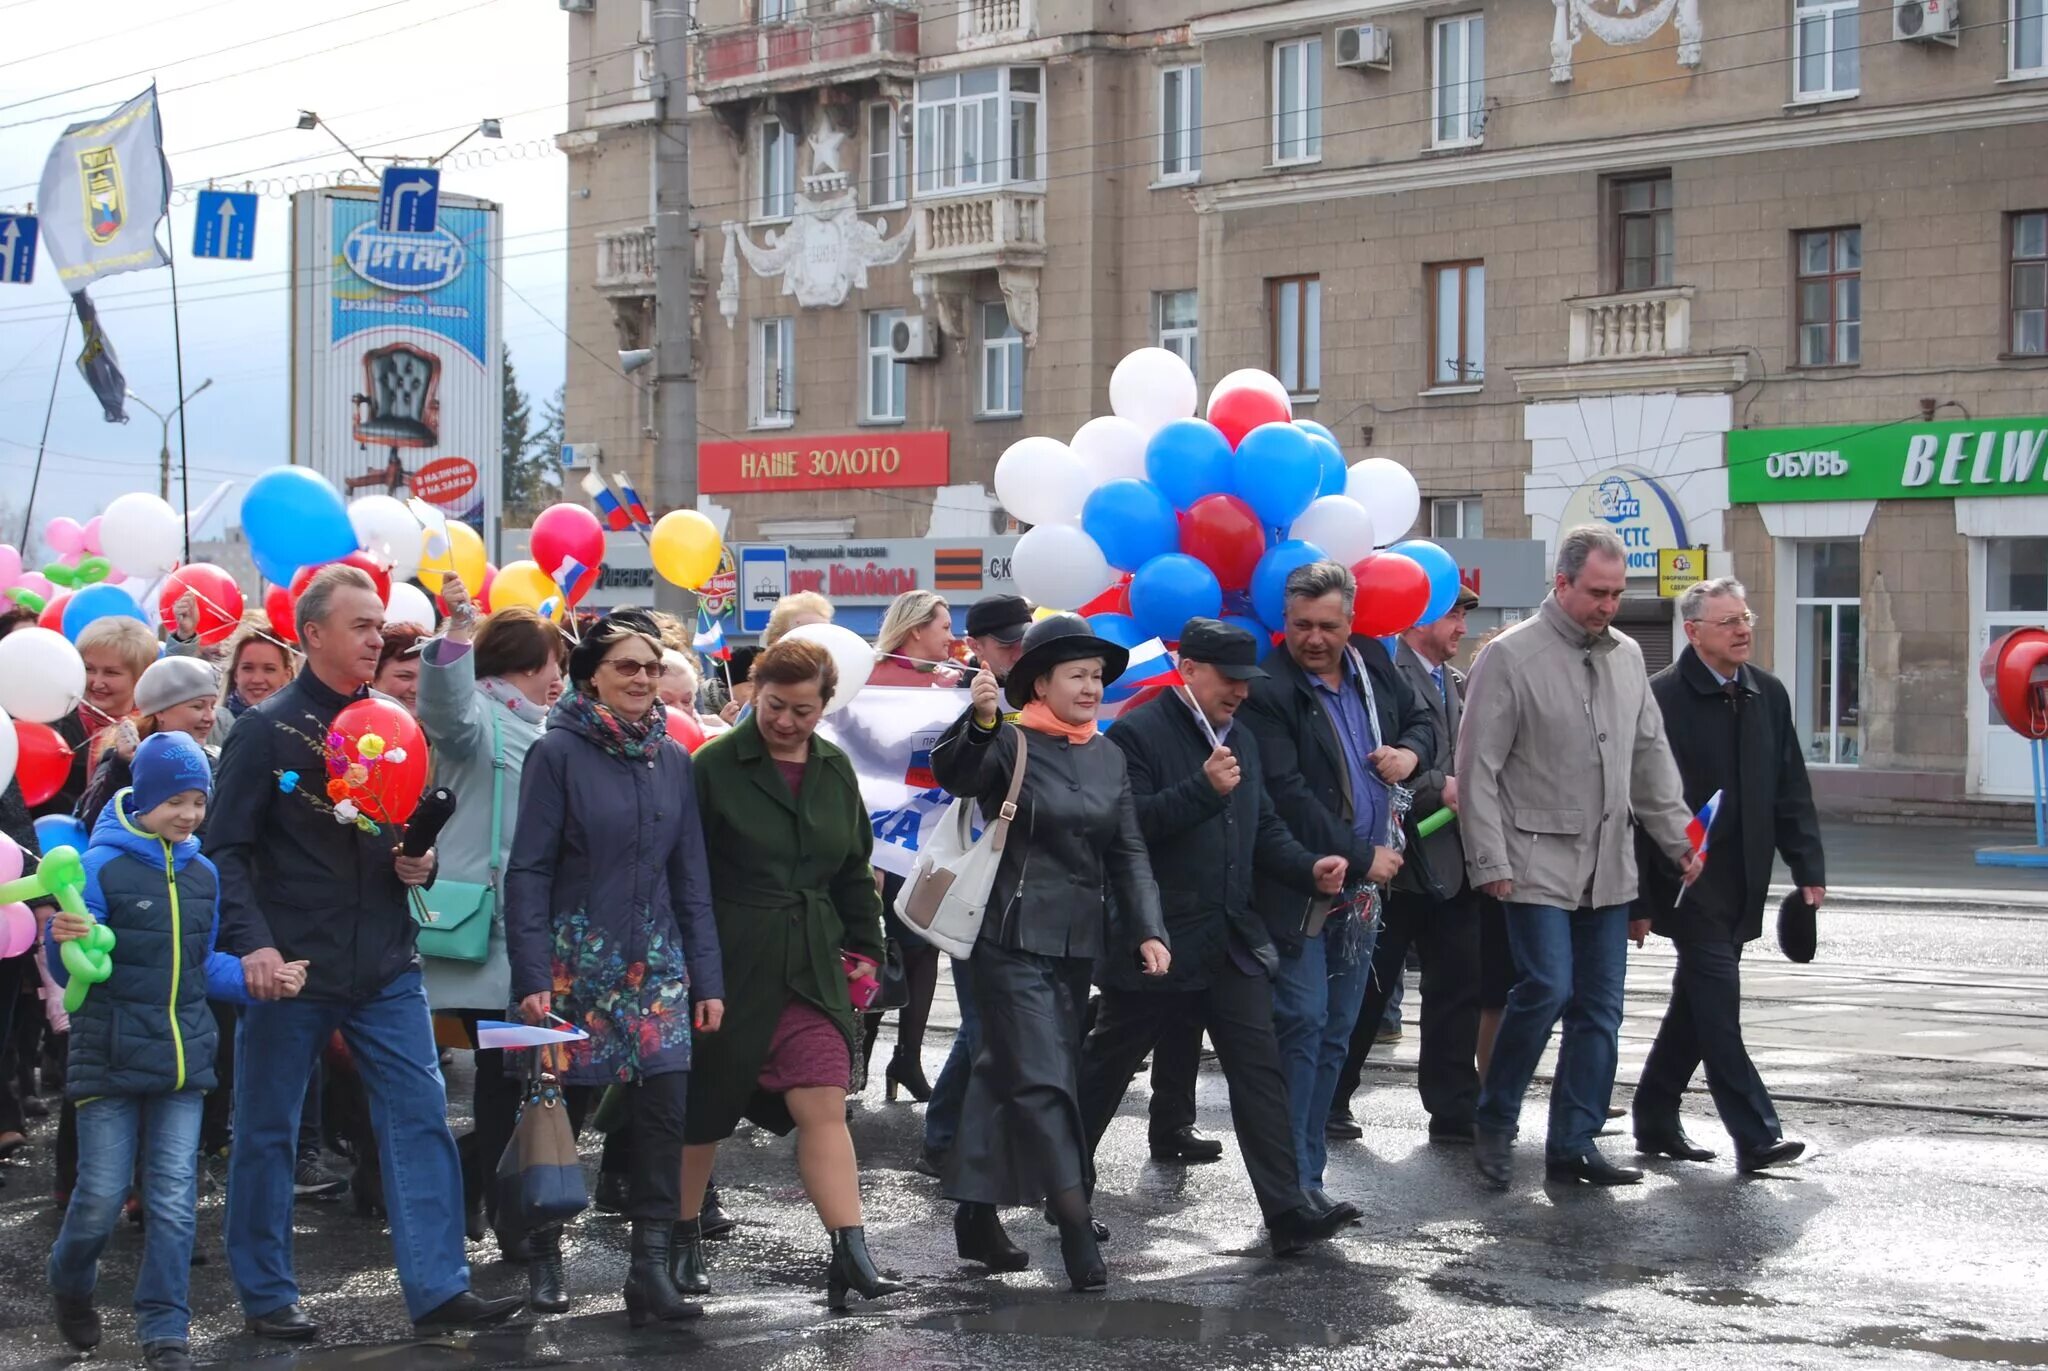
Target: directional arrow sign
<point>410,201</point>
<point>225,225</point>
<point>17,249</point>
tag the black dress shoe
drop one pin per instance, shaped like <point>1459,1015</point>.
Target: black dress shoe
<point>469,1310</point>
<point>929,1163</point>
<point>288,1324</point>
<point>1305,1226</point>
<point>166,1356</point>
<point>1592,1169</point>
<point>1186,1146</point>
<point>1345,1210</point>
<point>1451,1132</point>
<point>1341,1127</point>
<point>1493,1154</point>
<point>1764,1158</point>
<point>714,1219</point>
<point>78,1321</point>
<point>1669,1140</point>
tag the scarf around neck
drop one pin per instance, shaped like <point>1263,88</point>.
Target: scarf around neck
<point>513,698</point>
<point>622,738</point>
<point>1039,718</point>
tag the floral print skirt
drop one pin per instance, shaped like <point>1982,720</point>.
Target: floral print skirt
<point>636,1009</point>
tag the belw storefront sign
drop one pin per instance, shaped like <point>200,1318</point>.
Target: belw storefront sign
<point>860,461</point>
<point>1889,461</point>
<point>1637,507</point>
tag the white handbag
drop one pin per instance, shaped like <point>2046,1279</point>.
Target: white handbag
<point>946,894</point>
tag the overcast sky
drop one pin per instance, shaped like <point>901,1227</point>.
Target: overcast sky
<point>392,76</point>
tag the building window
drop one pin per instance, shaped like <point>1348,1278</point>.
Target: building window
<point>775,157</point>
<point>1180,123</point>
<point>1298,100</point>
<point>1173,325</point>
<point>1831,297</point>
<point>1828,635</point>
<point>2028,236</point>
<point>1457,323</point>
<point>777,11</point>
<point>885,382</point>
<point>1457,85</point>
<point>1294,306</point>
<point>1002,364</point>
<point>980,128</point>
<point>774,367</point>
<point>1456,517</point>
<point>1825,49</point>
<point>2027,45</point>
<point>888,169</point>
<point>1643,232</point>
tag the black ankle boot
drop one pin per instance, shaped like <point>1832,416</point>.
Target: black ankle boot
<point>1078,1247</point>
<point>853,1269</point>
<point>650,1290</point>
<point>547,1279</point>
<point>686,1257</point>
<point>979,1237</point>
<point>78,1321</point>
<point>906,1072</point>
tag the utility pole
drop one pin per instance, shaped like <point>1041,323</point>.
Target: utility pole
<point>675,368</point>
<point>163,481</point>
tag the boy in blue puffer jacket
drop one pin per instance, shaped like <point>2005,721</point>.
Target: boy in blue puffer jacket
<point>142,1046</point>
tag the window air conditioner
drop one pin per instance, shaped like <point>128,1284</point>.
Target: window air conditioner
<point>1926,21</point>
<point>914,339</point>
<point>1365,45</point>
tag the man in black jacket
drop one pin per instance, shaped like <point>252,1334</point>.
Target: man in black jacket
<point>1206,826</point>
<point>1336,727</point>
<point>298,885</point>
<point>1731,729</point>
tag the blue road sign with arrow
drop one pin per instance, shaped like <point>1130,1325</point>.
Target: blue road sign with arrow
<point>225,225</point>
<point>17,249</point>
<point>410,201</point>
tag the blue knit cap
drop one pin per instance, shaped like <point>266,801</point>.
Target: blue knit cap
<point>167,764</point>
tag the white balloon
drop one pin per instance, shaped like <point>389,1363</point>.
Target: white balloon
<point>1151,388</point>
<point>1389,495</point>
<point>1339,525</point>
<point>410,605</point>
<point>10,748</point>
<point>143,535</point>
<point>851,653</point>
<point>1059,566</point>
<point>1256,380</point>
<point>1041,481</point>
<point>1112,448</point>
<point>389,533</point>
<point>42,677</point>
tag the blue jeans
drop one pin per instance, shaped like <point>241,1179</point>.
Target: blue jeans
<point>1315,1006</point>
<point>391,1037</point>
<point>949,1091</point>
<point>113,1130</point>
<point>1571,964</point>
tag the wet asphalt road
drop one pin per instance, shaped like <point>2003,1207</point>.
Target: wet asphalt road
<point>1911,1237</point>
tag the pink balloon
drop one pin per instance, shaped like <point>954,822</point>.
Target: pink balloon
<point>17,930</point>
<point>115,578</point>
<point>92,537</point>
<point>35,583</point>
<point>10,564</point>
<point>10,859</point>
<point>64,536</point>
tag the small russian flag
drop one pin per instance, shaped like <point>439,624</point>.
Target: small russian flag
<point>1150,665</point>
<point>1700,827</point>
<point>918,775</point>
<point>569,573</point>
<point>711,639</point>
<point>634,509</point>
<point>615,516</point>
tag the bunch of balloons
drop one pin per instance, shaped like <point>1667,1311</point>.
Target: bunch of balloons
<point>1152,516</point>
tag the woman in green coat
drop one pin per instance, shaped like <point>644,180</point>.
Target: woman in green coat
<point>788,840</point>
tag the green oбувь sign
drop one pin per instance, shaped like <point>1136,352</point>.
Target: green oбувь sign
<point>1889,461</point>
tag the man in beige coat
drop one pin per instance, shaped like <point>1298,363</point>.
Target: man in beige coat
<point>1561,754</point>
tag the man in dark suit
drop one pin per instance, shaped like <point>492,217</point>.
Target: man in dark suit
<point>1731,729</point>
<point>1431,909</point>
<point>1336,726</point>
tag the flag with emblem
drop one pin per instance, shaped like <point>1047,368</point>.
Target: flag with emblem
<point>888,733</point>
<point>104,190</point>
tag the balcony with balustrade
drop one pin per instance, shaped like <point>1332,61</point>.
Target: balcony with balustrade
<point>986,23</point>
<point>980,232</point>
<point>625,262</point>
<point>1637,340</point>
<point>857,41</point>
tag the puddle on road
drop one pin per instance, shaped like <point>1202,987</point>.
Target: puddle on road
<point>1955,1346</point>
<point>1140,1320</point>
<point>1726,1298</point>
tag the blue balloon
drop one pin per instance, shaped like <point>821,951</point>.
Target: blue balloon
<point>1187,459</point>
<point>61,830</point>
<point>1269,578</point>
<point>1171,589</point>
<point>1122,630</point>
<point>1277,472</point>
<point>1261,635</point>
<point>1319,430</point>
<point>293,517</point>
<point>1335,474</point>
<point>1131,522</point>
<point>100,602</point>
<point>1443,576</point>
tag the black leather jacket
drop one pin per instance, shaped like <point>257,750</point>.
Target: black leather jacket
<point>1075,838</point>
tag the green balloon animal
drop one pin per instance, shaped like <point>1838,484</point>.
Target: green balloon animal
<point>60,876</point>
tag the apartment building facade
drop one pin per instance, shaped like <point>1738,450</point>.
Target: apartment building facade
<point>1549,256</point>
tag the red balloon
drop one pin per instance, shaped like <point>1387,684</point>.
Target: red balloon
<point>483,592</point>
<point>281,607</point>
<point>220,600</point>
<point>44,763</point>
<point>567,530</point>
<point>1222,533</point>
<point>1238,412</point>
<point>52,616</point>
<point>682,726</point>
<point>393,791</point>
<point>362,561</point>
<point>1393,590</point>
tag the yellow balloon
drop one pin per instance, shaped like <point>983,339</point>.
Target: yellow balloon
<point>685,547</point>
<point>465,557</point>
<point>1044,612</point>
<point>525,585</point>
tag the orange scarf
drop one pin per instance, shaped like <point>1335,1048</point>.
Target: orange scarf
<point>1039,718</point>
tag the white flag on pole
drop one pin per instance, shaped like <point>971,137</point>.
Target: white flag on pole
<point>104,190</point>
<point>888,734</point>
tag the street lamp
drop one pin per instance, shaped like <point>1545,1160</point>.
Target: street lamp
<point>163,485</point>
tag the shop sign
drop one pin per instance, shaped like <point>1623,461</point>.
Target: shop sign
<point>860,461</point>
<point>1639,510</point>
<point>1889,461</point>
<point>1678,568</point>
<point>858,573</point>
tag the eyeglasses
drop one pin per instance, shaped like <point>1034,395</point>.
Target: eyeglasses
<point>1746,619</point>
<point>628,670</point>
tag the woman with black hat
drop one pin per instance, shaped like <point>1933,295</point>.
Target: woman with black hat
<point>608,921</point>
<point>1074,838</point>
